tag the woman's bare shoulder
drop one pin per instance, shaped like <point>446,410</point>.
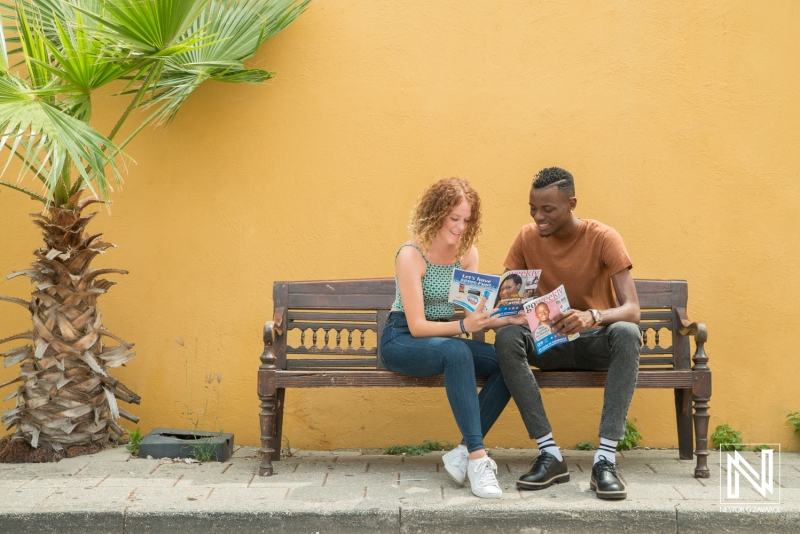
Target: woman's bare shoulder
<point>470,259</point>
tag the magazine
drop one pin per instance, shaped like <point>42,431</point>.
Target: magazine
<point>467,288</point>
<point>516,288</point>
<point>541,312</point>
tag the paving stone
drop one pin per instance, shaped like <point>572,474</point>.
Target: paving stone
<point>115,498</point>
<point>246,452</point>
<point>246,498</point>
<point>403,494</point>
<point>326,494</point>
<point>170,498</point>
<point>64,481</point>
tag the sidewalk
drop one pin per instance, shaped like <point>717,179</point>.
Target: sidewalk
<point>351,491</point>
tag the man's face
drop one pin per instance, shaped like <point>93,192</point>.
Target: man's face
<point>550,209</point>
<point>543,313</point>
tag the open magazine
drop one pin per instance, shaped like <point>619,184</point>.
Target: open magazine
<point>541,313</point>
<point>467,288</point>
<point>507,292</point>
<point>516,288</point>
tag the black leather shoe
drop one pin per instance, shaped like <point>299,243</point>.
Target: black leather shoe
<point>605,481</point>
<point>545,471</point>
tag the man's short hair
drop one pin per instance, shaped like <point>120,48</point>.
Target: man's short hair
<point>555,176</point>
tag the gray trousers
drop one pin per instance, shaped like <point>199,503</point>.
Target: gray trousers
<point>614,348</point>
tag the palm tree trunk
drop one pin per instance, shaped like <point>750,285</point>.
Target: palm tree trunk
<point>65,395</point>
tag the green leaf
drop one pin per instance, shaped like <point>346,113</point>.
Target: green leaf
<point>51,140</point>
<point>238,27</point>
<point>147,27</point>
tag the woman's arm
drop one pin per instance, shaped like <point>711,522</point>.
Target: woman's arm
<point>410,268</point>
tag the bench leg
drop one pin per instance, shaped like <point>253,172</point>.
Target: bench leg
<point>702,395</point>
<point>267,393</point>
<point>683,416</point>
<point>277,431</point>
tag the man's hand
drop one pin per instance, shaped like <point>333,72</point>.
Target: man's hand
<point>573,321</point>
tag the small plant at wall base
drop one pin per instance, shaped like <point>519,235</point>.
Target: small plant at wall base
<point>794,419</point>
<point>160,51</point>
<point>631,437</point>
<point>135,438</point>
<point>418,450</point>
<point>585,446</point>
<point>727,438</point>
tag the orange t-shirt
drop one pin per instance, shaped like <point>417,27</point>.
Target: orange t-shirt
<point>584,262</point>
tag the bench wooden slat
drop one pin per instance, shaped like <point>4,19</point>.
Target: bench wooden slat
<point>348,301</point>
<point>332,316</point>
<point>659,315</point>
<point>655,325</point>
<point>329,287</point>
<point>328,363</point>
<point>656,361</point>
<point>667,379</point>
<point>332,350</point>
<point>655,350</point>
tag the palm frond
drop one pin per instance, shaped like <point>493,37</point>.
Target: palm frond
<point>147,27</point>
<point>52,140</point>
<point>238,27</point>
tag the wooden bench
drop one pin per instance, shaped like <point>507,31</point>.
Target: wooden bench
<point>333,328</point>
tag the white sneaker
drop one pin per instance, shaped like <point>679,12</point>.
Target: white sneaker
<point>456,462</point>
<point>482,478</point>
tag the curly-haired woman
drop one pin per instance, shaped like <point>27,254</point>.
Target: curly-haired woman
<point>420,339</point>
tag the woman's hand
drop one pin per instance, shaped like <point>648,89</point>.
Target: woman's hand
<point>479,319</point>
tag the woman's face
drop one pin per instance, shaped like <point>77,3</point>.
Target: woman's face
<point>509,288</point>
<point>455,224</point>
<point>543,313</point>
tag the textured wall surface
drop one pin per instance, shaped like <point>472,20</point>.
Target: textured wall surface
<point>679,122</point>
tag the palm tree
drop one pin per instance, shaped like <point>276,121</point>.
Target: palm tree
<point>157,52</point>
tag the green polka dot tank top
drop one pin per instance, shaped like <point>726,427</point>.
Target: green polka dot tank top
<point>435,288</point>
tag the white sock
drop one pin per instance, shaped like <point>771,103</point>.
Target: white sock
<point>463,449</point>
<point>546,443</point>
<point>607,450</point>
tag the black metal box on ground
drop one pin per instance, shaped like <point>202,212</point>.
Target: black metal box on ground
<point>172,443</point>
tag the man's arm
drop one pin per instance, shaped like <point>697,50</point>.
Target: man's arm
<point>574,321</point>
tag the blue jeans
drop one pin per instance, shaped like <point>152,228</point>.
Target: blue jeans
<point>459,360</point>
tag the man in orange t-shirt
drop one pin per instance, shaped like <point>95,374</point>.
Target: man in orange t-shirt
<point>590,260</point>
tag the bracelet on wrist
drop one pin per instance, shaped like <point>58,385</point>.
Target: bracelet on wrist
<point>461,324</point>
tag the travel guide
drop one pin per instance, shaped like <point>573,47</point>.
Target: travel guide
<point>541,313</point>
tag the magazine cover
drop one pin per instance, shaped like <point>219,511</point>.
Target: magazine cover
<point>467,288</point>
<point>516,288</point>
<point>541,313</point>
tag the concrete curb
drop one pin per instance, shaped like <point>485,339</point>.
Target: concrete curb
<point>403,520</point>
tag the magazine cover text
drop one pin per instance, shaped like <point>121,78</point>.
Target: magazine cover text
<point>467,288</point>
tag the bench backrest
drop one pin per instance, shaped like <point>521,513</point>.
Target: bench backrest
<point>336,324</point>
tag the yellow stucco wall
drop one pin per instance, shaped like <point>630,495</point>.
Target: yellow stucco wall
<point>678,120</point>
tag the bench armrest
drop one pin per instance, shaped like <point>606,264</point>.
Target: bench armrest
<point>700,334</point>
<point>274,327</point>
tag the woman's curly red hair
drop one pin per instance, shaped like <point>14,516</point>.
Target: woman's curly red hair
<point>436,203</point>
